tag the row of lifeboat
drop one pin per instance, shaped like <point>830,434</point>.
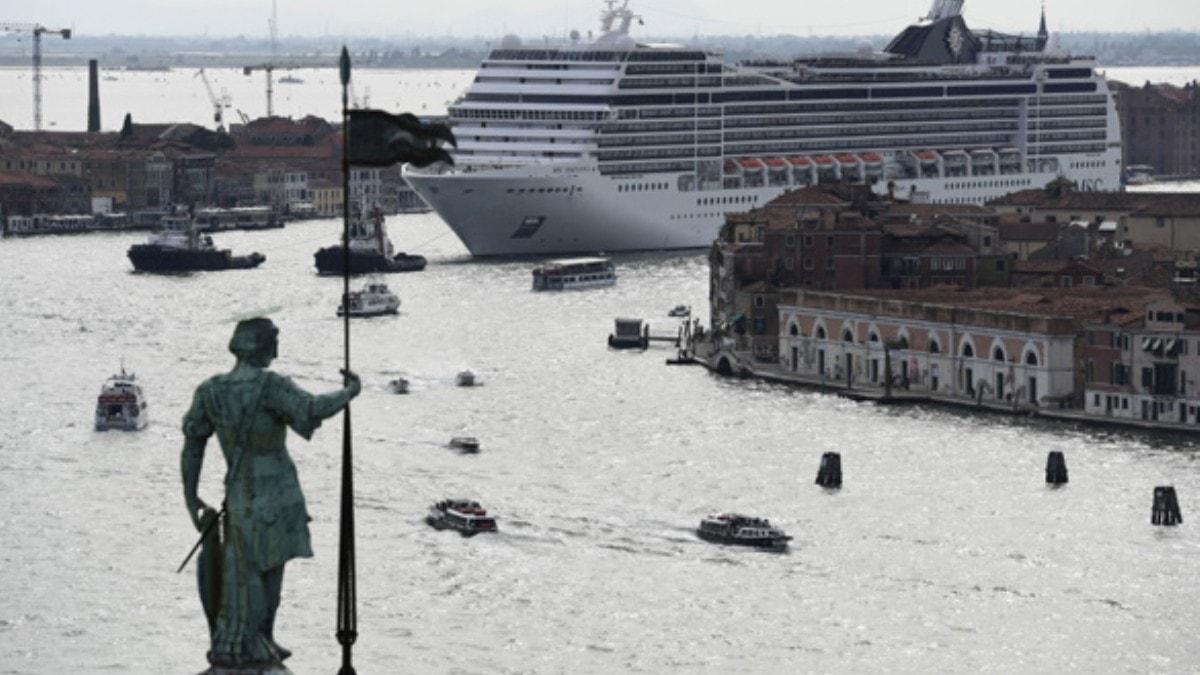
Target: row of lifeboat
<point>738,165</point>
<point>870,165</point>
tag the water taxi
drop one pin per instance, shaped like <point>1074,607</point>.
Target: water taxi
<point>464,515</point>
<point>731,528</point>
<point>121,404</point>
<point>372,300</point>
<point>573,273</point>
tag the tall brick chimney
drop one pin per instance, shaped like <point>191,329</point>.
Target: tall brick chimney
<point>93,95</point>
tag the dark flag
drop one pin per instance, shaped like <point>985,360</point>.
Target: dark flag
<point>378,138</point>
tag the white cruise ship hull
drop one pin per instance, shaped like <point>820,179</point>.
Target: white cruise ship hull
<point>546,210</point>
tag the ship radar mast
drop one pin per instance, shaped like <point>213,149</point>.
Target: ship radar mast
<point>943,9</point>
<point>611,14</point>
<point>1043,35</point>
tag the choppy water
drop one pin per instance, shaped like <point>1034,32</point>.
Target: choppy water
<point>943,552</point>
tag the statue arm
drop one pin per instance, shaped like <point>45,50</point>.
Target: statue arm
<point>196,429</point>
<point>328,405</point>
<point>190,462</point>
<point>303,411</point>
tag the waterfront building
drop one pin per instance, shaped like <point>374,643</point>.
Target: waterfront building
<point>1160,125</point>
<point>1007,348</point>
<point>614,144</point>
<point>1145,365</point>
<point>326,198</point>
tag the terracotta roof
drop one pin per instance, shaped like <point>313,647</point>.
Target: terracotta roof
<point>1084,303</point>
<point>22,178</point>
<point>1028,231</point>
<point>806,196</point>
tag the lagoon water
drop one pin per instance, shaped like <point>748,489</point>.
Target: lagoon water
<point>944,551</point>
<point>179,96</point>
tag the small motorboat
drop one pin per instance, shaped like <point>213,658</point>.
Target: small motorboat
<point>372,300</point>
<point>121,404</point>
<point>731,528</point>
<point>464,515</point>
<point>680,311</point>
<point>465,379</point>
<point>466,444</point>
<point>398,386</point>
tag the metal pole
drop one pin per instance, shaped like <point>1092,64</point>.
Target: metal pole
<point>347,617</point>
<point>37,78</point>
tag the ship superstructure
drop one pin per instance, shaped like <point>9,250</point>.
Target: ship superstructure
<point>620,145</point>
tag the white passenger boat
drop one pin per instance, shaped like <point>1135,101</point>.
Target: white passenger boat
<point>680,311</point>
<point>1139,174</point>
<point>731,528</point>
<point>121,404</point>
<point>372,300</point>
<point>463,515</point>
<point>573,273</point>
<point>619,144</point>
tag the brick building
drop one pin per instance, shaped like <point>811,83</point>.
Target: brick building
<point>1160,127</point>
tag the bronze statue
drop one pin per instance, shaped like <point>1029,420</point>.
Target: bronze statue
<point>265,521</point>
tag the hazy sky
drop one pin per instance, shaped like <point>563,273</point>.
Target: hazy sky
<point>554,17</point>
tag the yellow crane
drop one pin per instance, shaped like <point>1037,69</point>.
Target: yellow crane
<point>37,30</point>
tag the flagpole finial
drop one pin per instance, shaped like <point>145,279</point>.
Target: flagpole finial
<point>344,66</point>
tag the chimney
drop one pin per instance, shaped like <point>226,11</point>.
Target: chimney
<point>93,96</point>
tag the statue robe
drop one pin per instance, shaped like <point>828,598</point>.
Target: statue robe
<point>266,522</point>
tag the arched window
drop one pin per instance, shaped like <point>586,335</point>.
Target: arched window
<point>872,337</point>
<point>820,332</point>
<point>847,336</point>
<point>902,343</point>
<point>998,354</point>
<point>934,348</point>
<point>968,351</point>
<point>794,330</point>
<point>1031,359</point>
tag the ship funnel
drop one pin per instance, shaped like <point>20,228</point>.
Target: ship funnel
<point>93,95</point>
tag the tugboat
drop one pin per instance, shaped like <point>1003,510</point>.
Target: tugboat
<point>399,385</point>
<point>372,300</point>
<point>680,311</point>
<point>370,250</point>
<point>463,515</point>
<point>121,404</point>
<point>466,444</point>
<point>179,247</point>
<point>731,528</point>
<point>465,379</point>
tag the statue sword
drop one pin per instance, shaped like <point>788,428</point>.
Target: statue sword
<point>203,535</point>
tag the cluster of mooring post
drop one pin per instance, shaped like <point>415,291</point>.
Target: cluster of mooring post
<point>830,473</point>
<point>1166,507</point>
<point>1056,468</point>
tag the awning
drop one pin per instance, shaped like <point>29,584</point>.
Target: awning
<point>1146,344</point>
<point>1169,346</point>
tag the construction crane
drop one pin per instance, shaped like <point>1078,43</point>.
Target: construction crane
<point>218,103</point>
<point>271,66</point>
<point>38,31</point>
<point>269,69</point>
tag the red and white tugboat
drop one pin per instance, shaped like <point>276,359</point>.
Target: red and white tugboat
<point>731,528</point>
<point>121,404</point>
<point>463,515</point>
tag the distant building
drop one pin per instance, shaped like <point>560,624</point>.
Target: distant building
<point>1160,127</point>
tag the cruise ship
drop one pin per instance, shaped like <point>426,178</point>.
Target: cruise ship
<point>611,144</point>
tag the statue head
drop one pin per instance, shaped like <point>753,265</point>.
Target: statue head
<point>255,341</point>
